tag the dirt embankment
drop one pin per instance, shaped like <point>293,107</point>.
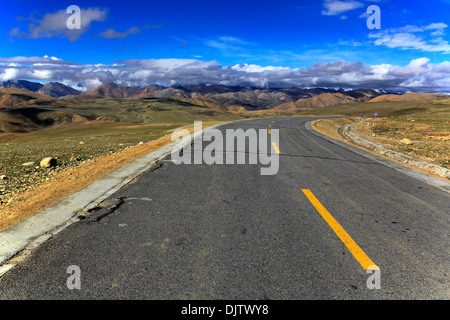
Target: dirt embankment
<point>422,141</point>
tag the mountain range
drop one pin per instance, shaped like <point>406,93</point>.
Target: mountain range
<point>231,97</point>
<point>248,98</point>
<point>53,89</point>
<point>27,106</point>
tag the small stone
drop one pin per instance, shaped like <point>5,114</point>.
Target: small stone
<point>26,164</point>
<point>3,177</point>
<point>406,141</point>
<point>48,162</point>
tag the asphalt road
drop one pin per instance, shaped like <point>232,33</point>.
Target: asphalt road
<point>228,232</point>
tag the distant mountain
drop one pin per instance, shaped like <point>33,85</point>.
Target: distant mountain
<point>249,98</point>
<point>12,97</point>
<point>204,90</point>
<point>259,99</point>
<point>233,97</point>
<point>56,90</point>
<point>162,93</point>
<point>328,99</point>
<point>410,96</point>
<point>112,90</point>
<point>22,84</point>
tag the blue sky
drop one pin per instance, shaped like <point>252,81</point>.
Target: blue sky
<point>266,36</point>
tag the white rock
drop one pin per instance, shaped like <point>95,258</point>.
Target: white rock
<point>406,141</point>
<point>48,162</point>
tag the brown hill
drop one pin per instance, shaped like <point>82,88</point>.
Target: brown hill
<point>326,99</point>
<point>235,108</point>
<point>56,89</point>
<point>410,96</point>
<point>252,99</point>
<point>25,111</point>
<point>112,90</point>
<point>22,84</point>
<point>30,119</point>
<point>203,102</point>
<point>152,92</point>
<point>249,98</point>
<point>12,97</point>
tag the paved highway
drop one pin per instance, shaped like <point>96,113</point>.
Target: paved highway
<point>228,232</point>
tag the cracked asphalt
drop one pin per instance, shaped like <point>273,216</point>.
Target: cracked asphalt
<point>201,232</point>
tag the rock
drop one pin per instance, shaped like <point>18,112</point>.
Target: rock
<point>26,164</point>
<point>406,141</point>
<point>81,142</point>
<point>141,143</point>
<point>73,158</point>
<point>3,177</point>
<point>48,162</point>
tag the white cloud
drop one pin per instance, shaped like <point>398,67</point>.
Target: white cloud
<point>255,68</point>
<point>34,60</point>
<point>336,7</point>
<point>414,37</point>
<point>55,25</point>
<point>111,33</point>
<point>9,74</point>
<point>418,75</point>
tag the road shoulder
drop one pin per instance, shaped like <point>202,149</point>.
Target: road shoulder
<point>17,241</point>
<point>415,172</point>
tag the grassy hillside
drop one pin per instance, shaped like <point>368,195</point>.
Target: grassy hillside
<point>74,131</point>
<point>425,123</point>
<point>433,109</point>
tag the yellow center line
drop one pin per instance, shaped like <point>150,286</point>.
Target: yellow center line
<point>270,131</point>
<point>351,245</point>
<point>270,125</point>
<point>276,148</point>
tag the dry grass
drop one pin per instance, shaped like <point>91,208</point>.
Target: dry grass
<point>330,127</point>
<point>430,143</point>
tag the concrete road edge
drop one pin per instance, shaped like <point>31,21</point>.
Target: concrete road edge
<point>17,241</point>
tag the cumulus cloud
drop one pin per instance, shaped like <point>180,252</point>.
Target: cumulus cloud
<point>55,25</point>
<point>111,33</point>
<point>35,60</point>
<point>418,75</point>
<point>424,38</point>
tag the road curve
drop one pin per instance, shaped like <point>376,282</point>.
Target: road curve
<point>228,232</point>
